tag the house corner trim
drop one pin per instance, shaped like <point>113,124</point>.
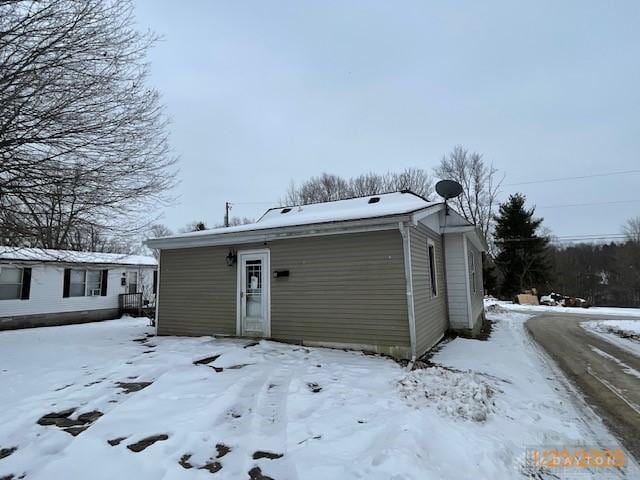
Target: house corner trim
<point>406,248</point>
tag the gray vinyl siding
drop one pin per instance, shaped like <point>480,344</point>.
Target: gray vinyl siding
<point>197,292</point>
<point>430,311</point>
<point>477,297</point>
<point>341,289</point>
<point>346,289</point>
<point>456,274</point>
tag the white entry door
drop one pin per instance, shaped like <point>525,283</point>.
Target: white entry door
<point>254,293</point>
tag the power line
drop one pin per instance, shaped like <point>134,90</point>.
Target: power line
<point>613,202</point>
<point>567,238</point>
<point>580,177</point>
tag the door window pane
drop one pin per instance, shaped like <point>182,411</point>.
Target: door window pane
<point>77,283</point>
<point>132,281</point>
<point>10,283</point>
<point>254,288</point>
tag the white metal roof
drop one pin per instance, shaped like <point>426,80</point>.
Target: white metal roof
<point>70,256</point>
<point>396,203</point>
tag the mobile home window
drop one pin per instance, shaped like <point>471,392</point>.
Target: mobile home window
<point>431,248</point>
<point>85,283</point>
<point>472,271</point>
<point>10,283</point>
<point>94,283</point>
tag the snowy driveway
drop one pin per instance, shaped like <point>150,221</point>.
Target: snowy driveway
<point>108,400</point>
<point>605,372</point>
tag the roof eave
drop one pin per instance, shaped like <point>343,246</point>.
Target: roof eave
<point>257,236</point>
<point>34,261</point>
<point>472,232</point>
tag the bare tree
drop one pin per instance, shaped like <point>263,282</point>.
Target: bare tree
<point>367,184</point>
<point>327,187</point>
<point>480,183</point>
<point>235,221</point>
<point>157,230</point>
<point>632,230</point>
<point>195,226</point>
<point>324,188</point>
<point>91,239</point>
<point>415,179</point>
<point>83,142</point>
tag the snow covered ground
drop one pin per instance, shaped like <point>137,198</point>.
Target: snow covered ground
<point>623,333</point>
<point>271,410</point>
<point>613,311</point>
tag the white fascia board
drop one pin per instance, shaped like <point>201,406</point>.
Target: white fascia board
<point>478,240</point>
<point>458,229</point>
<point>472,233</point>
<point>426,212</point>
<point>259,236</point>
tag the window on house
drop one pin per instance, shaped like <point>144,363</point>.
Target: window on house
<point>10,283</point>
<point>472,271</point>
<point>94,283</point>
<point>132,282</point>
<point>85,283</point>
<point>77,283</point>
<point>431,249</point>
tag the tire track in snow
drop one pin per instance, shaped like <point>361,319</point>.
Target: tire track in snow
<point>272,419</point>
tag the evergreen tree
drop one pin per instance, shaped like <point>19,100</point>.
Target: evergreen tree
<point>522,257</point>
<point>489,275</point>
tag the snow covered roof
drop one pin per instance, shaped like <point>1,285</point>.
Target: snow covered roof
<point>70,256</point>
<point>359,208</point>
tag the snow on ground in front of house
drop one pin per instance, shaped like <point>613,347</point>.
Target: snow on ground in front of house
<point>613,311</point>
<point>329,413</point>
<point>623,333</point>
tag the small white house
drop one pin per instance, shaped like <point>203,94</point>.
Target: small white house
<point>40,287</point>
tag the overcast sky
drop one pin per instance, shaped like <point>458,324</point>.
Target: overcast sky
<point>264,92</point>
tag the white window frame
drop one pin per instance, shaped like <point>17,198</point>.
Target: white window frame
<point>266,285</point>
<point>433,265</point>
<point>19,284</point>
<point>472,271</point>
<point>86,291</point>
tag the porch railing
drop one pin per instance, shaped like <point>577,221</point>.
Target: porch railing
<point>130,303</point>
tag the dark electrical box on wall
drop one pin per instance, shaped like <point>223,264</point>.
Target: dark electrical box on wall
<point>280,273</point>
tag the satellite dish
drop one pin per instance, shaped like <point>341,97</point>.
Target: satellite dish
<point>448,189</point>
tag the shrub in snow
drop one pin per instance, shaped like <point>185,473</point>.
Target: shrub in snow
<point>456,394</point>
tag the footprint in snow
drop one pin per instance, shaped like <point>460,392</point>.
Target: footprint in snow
<point>314,387</point>
<point>5,452</point>
<point>147,442</point>
<point>206,360</point>
<point>72,426</point>
<point>131,387</point>
<point>256,474</point>
<point>212,465</point>
<point>264,454</point>
<point>116,441</point>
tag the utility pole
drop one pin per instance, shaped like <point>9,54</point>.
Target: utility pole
<point>227,207</point>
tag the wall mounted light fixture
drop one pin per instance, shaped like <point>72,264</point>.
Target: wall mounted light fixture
<point>231,258</point>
